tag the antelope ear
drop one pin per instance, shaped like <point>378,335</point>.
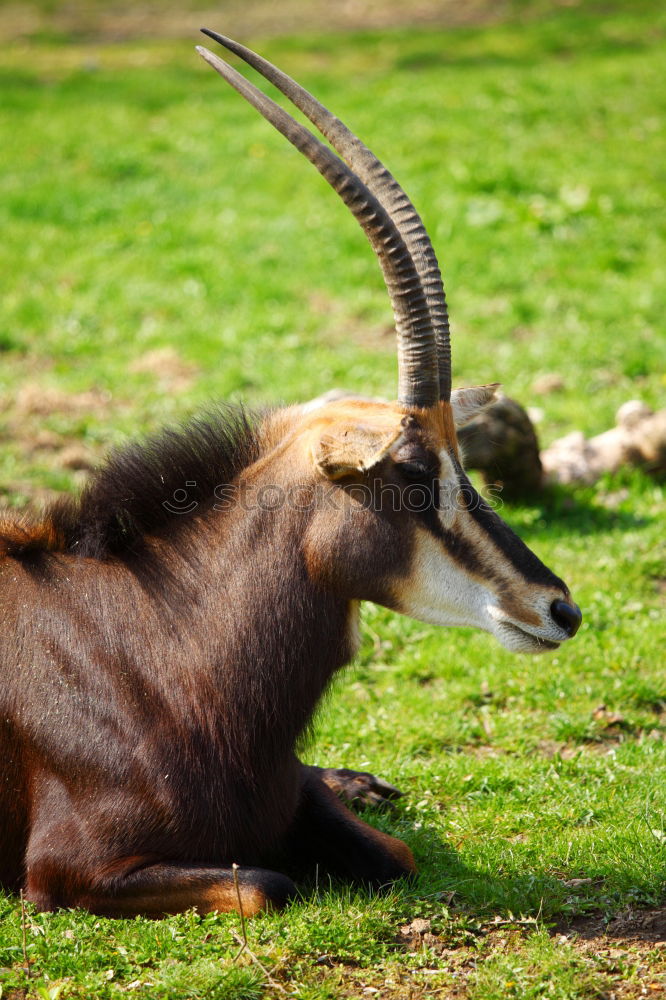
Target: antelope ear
<point>468,403</point>
<point>346,450</point>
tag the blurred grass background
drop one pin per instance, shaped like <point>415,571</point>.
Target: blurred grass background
<point>145,205</point>
<point>161,245</point>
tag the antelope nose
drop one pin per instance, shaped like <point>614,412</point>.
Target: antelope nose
<point>567,616</point>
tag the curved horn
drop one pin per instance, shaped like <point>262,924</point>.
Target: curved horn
<point>382,185</point>
<point>417,358</point>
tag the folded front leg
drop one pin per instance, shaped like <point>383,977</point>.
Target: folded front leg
<point>326,834</point>
<point>159,889</point>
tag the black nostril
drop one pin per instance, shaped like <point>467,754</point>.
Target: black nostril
<point>567,616</point>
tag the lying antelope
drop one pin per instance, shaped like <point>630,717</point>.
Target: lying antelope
<point>160,660</point>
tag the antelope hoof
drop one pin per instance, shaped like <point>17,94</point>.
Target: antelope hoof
<point>360,789</point>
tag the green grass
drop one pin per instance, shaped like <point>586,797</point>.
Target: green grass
<point>144,205</point>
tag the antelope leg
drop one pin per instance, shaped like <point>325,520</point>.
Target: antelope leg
<point>169,887</point>
<point>326,834</point>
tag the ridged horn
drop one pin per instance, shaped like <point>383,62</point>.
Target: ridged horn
<point>417,353</point>
<point>380,183</point>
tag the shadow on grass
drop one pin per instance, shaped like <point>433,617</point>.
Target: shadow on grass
<point>479,892</point>
<point>560,513</point>
<point>449,887</point>
<point>443,876</point>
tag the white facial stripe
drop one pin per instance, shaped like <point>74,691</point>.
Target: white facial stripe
<point>441,592</point>
<point>448,490</point>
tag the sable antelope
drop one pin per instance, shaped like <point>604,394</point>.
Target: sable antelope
<point>161,658</point>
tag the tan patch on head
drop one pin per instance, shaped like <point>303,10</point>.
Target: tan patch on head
<point>439,429</point>
<point>357,433</point>
<point>371,427</point>
<point>380,417</point>
<point>350,436</point>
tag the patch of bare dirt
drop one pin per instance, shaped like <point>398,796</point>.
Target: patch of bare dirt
<point>555,748</point>
<point>393,981</point>
<point>34,445</point>
<point>172,372</point>
<point>631,947</point>
<point>627,954</point>
<point>548,383</point>
<point>57,450</point>
<point>35,400</point>
<point>76,457</point>
<point>631,925</point>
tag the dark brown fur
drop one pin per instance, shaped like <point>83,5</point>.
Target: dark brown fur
<point>159,669</point>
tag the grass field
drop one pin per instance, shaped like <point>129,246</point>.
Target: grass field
<point>161,246</point>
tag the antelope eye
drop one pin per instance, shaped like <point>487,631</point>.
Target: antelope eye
<point>415,470</point>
